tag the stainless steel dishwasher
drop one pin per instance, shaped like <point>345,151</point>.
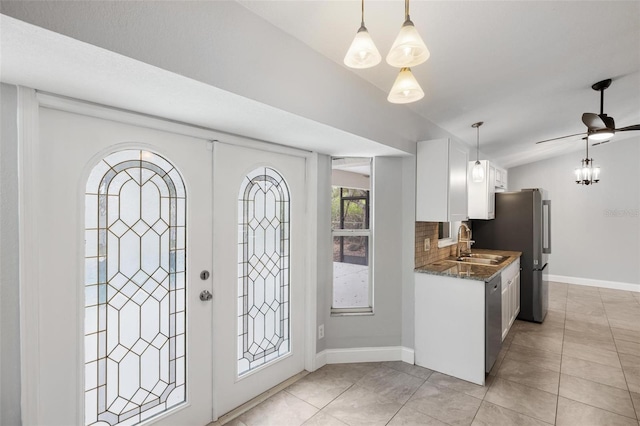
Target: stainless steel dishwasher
<point>492,321</point>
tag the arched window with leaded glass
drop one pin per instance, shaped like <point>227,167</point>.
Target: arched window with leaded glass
<point>263,273</point>
<point>135,339</point>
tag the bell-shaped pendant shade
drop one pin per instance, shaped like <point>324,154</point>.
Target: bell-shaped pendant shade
<point>408,50</point>
<point>477,173</point>
<point>405,89</point>
<point>363,52</point>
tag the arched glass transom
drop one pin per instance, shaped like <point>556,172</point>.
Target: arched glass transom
<point>263,273</point>
<point>134,288</point>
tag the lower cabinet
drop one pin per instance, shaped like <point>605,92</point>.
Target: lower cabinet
<point>506,309</point>
<point>510,296</point>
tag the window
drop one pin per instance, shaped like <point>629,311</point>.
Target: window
<point>263,271</point>
<point>135,339</point>
<point>351,231</point>
<point>444,230</point>
<point>447,233</point>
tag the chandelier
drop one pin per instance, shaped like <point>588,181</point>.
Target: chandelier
<point>587,173</point>
<point>408,50</point>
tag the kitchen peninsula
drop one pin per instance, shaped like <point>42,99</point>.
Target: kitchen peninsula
<point>461,311</point>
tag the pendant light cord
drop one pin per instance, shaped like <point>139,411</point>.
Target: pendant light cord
<point>477,126</point>
<point>406,10</point>
<point>362,20</point>
<point>477,143</point>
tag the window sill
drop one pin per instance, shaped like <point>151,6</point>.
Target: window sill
<point>351,312</point>
<point>446,242</point>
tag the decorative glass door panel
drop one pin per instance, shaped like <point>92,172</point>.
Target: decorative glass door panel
<point>263,278</point>
<point>135,340</point>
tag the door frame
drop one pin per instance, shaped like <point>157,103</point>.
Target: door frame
<point>29,103</point>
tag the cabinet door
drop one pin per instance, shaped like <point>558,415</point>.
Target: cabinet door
<point>516,287</point>
<point>512,301</point>
<point>492,192</point>
<point>506,309</point>
<point>432,181</point>
<point>458,163</point>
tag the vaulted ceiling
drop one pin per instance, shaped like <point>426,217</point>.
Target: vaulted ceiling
<point>273,69</point>
<point>525,68</point>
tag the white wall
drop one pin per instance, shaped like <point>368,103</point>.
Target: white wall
<point>9,291</point>
<point>595,228</point>
<point>408,249</point>
<point>384,327</point>
<point>325,247</point>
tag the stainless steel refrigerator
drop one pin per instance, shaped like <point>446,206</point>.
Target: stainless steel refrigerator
<point>522,223</point>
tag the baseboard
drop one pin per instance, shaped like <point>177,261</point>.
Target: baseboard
<point>321,359</point>
<point>616,285</point>
<point>351,355</point>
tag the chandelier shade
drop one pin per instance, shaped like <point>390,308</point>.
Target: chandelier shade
<point>408,50</point>
<point>405,89</point>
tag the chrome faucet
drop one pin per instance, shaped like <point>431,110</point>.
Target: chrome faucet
<point>468,241</point>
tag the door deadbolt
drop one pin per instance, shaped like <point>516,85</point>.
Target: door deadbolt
<point>205,295</point>
<point>204,275</point>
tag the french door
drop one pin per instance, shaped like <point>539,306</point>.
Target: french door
<point>168,273</point>
<point>259,266</point>
<point>124,232</point>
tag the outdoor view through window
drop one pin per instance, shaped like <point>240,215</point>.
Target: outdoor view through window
<point>351,229</point>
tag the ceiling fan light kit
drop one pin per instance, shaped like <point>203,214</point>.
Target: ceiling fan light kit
<point>601,134</point>
<point>477,172</point>
<point>407,50</point>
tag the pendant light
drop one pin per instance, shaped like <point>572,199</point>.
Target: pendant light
<point>477,173</point>
<point>408,50</point>
<point>405,89</point>
<point>587,173</point>
<point>363,52</point>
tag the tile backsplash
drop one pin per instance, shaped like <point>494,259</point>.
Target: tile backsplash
<point>429,230</point>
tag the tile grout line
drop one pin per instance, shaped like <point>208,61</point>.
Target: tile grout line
<point>410,396</point>
<point>621,366</point>
<point>564,329</point>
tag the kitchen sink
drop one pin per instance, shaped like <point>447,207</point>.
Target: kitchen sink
<point>485,256</point>
<point>479,259</point>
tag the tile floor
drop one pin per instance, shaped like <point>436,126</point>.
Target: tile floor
<point>581,367</point>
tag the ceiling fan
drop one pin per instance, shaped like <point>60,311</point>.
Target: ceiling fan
<point>600,127</point>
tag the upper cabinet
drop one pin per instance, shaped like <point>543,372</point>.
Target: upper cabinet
<point>482,195</point>
<point>441,181</point>
<point>501,179</point>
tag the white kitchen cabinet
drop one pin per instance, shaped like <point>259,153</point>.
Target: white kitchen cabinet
<point>450,326</point>
<point>501,179</point>
<point>510,296</point>
<point>482,195</point>
<point>441,181</point>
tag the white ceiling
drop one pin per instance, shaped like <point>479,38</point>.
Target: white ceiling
<point>525,68</point>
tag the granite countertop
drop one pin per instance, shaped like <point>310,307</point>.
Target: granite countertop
<point>449,267</point>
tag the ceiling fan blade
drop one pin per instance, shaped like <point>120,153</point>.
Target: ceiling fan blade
<point>624,129</point>
<point>593,121</point>
<point>561,137</point>
<point>600,143</point>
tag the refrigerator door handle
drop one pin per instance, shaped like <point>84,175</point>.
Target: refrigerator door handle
<point>546,226</point>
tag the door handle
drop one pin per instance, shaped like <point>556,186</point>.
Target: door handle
<point>205,295</point>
